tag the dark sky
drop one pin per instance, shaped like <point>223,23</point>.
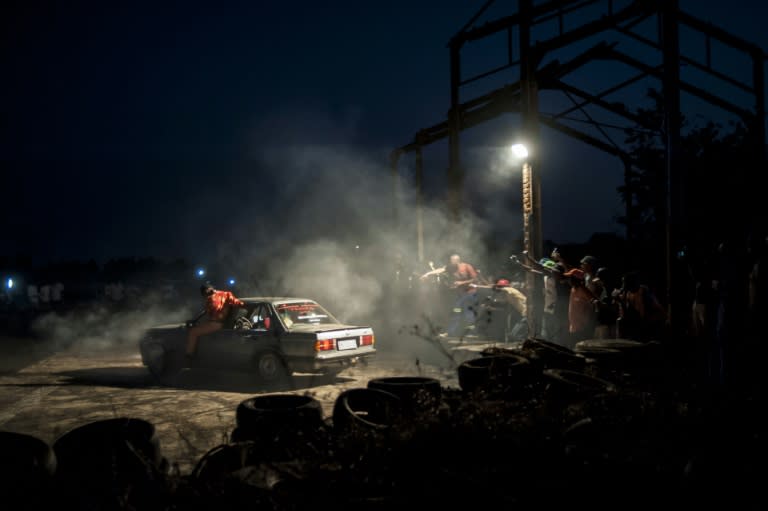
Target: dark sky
<point>131,128</point>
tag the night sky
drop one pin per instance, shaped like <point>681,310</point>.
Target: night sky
<point>173,128</point>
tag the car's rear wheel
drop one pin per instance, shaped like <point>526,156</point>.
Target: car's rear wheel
<point>162,364</point>
<point>270,367</point>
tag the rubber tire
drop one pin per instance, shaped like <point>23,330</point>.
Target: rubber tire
<point>489,372</point>
<point>275,411</point>
<point>284,426</point>
<point>418,394</point>
<point>222,460</point>
<point>98,463</point>
<point>27,468</point>
<point>383,411</point>
<point>554,355</point>
<point>270,367</point>
<point>165,371</point>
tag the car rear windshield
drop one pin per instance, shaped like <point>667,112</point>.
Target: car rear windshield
<point>306,313</point>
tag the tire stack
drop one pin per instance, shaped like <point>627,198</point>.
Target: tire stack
<point>111,464</point>
<point>627,362</point>
<point>279,442</point>
<point>27,470</point>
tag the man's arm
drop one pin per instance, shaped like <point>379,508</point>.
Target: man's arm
<point>233,300</point>
<point>436,271</point>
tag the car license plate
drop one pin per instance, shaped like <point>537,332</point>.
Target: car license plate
<point>346,344</point>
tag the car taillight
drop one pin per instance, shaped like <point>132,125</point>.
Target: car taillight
<point>325,345</point>
<point>367,340</point>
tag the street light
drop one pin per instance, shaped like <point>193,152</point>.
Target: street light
<point>520,153</point>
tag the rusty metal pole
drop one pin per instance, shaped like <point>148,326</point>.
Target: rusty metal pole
<point>675,173</point>
<point>532,238</point>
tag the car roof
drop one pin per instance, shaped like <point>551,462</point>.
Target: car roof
<point>275,299</point>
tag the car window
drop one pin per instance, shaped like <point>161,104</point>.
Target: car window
<point>260,316</point>
<point>304,313</point>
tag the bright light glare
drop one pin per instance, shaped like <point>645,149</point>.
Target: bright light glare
<point>231,282</point>
<point>200,272</point>
<point>520,151</point>
<point>10,283</point>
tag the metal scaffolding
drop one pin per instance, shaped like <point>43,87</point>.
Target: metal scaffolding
<point>521,96</point>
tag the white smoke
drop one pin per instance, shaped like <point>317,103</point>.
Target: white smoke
<point>105,326</point>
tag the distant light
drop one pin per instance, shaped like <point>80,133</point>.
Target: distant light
<point>10,283</point>
<point>231,282</point>
<point>357,247</point>
<point>200,272</point>
<point>520,151</point>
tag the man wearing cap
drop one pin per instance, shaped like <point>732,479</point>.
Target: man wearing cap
<point>582,317</point>
<point>511,302</point>
<point>551,329</point>
<point>590,266</point>
<point>218,306</point>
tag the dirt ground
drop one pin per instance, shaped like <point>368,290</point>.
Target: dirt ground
<point>46,391</point>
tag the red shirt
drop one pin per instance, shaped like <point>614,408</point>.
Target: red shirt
<point>217,305</point>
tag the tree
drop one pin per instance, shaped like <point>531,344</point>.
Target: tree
<point>719,164</point>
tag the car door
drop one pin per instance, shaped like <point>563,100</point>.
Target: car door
<point>265,332</point>
<point>217,349</point>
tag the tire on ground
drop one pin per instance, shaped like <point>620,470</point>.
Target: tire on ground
<point>366,410</point>
<point>27,468</point>
<point>502,372</point>
<point>418,394</point>
<point>284,425</point>
<point>102,462</point>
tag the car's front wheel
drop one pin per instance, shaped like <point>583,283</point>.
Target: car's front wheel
<point>270,367</point>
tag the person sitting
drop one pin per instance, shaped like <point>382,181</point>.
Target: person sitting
<point>218,307</point>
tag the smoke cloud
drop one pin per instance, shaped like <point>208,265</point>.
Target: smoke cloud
<point>104,326</point>
<point>315,220</point>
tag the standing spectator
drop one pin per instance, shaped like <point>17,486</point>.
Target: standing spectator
<point>606,306</point>
<point>464,311</point>
<point>33,295</point>
<point>560,332</point>
<point>516,318</point>
<point>641,315</point>
<point>57,294</point>
<point>581,309</point>
<point>552,329</point>
<point>45,296</point>
<point>606,311</point>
